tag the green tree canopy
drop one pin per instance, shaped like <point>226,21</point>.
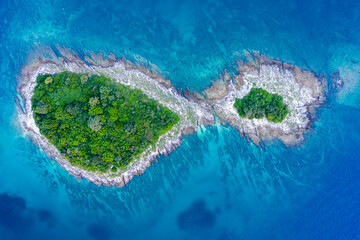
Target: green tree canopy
<point>260,103</point>
<point>95,122</point>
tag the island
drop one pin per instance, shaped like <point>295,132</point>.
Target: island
<point>106,119</point>
<point>298,93</point>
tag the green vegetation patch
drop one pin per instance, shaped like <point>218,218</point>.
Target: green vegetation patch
<point>260,103</point>
<point>95,122</point>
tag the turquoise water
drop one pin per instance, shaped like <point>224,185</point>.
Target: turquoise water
<point>216,185</point>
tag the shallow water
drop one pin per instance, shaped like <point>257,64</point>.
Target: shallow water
<point>216,185</point>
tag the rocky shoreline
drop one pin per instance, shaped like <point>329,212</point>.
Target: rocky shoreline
<point>303,92</point>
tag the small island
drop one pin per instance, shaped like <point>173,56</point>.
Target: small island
<point>106,119</point>
<point>240,100</point>
<point>259,103</point>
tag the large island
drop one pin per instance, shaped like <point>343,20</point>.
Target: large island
<point>106,119</point>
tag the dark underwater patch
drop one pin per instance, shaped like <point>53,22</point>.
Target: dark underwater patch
<point>196,217</point>
<point>98,232</point>
<point>14,215</point>
<point>16,218</point>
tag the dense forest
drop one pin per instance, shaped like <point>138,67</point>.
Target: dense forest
<point>259,103</point>
<point>97,123</point>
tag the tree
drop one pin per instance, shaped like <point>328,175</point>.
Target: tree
<point>114,113</point>
<point>94,101</point>
<point>42,109</point>
<point>95,123</point>
<point>84,79</point>
<point>48,80</point>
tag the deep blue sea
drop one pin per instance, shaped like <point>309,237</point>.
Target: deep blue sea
<point>216,185</point>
